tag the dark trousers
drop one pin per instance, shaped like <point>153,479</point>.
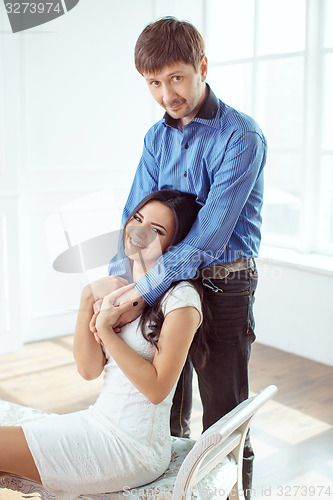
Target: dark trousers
<point>223,381</point>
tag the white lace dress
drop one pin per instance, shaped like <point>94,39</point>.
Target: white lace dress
<point>122,441</point>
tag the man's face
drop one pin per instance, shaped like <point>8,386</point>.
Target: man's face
<point>179,89</point>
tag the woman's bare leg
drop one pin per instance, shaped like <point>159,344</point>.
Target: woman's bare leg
<point>15,455</point>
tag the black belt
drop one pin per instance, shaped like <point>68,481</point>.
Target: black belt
<point>221,271</point>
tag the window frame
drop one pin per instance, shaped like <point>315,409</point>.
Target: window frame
<point>312,153</point>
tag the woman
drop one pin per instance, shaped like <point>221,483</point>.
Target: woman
<point>123,440</point>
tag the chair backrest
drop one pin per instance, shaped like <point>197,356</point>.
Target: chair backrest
<point>226,436</point>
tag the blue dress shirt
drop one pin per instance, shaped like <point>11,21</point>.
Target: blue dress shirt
<point>219,156</point>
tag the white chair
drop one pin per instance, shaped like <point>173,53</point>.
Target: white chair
<point>209,468</point>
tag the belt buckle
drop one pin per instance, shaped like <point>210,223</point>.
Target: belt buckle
<point>216,272</point>
<point>225,274</point>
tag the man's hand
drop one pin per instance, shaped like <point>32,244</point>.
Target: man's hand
<point>129,294</point>
<point>127,317</point>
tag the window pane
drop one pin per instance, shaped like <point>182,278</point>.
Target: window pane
<point>325,220</point>
<point>282,199</point>
<point>229,33</point>
<point>329,24</point>
<point>232,84</point>
<point>281,26</point>
<point>280,102</point>
<point>327,133</point>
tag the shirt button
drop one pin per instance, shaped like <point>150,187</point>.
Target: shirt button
<point>186,146</point>
<point>185,174</point>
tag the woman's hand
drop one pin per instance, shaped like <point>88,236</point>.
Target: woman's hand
<point>109,313</point>
<point>97,290</point>
<point>96,308</point>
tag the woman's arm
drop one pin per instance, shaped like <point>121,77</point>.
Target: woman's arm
<point>88,354</point>
<point>89,357</point>
<point>155,380</point>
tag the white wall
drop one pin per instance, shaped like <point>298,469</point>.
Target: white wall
<point>293,308</point>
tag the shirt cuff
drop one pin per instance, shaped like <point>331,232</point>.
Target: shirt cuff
<point>154,284</point>
<point>173,266</point>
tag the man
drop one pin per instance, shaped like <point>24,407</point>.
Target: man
<point>204,147</point>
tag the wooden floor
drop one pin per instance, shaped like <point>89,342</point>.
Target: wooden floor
<point>292,435</point>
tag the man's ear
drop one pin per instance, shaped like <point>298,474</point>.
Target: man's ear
<point>203,68</point>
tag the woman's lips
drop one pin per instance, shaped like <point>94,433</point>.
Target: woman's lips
<point>136,244</point>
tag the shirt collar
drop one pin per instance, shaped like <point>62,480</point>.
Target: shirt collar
<point>206,114</point>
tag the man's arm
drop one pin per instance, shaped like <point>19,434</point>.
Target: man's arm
<point>233,183</point>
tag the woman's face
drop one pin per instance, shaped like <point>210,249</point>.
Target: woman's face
<point>149,232</point>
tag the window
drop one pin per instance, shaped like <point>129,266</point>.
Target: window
<point>273,59</point>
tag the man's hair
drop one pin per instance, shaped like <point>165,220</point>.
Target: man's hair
<point>165,42</point>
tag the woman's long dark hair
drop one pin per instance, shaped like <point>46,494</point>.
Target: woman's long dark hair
<point>185,211</point>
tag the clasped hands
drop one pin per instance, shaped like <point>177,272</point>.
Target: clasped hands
<point>116,303</point>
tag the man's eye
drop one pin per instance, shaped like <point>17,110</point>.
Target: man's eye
<point>177,78</point>
<point>155,84</point>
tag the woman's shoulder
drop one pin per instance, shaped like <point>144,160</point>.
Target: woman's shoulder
<point>185,286</point>
<point>183,294</point>
<point>182,290</point>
